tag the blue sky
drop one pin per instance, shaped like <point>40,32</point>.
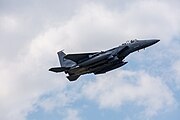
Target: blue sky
<point>32,32</point>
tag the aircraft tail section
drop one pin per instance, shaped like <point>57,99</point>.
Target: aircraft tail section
<point>58,69</point>
<point>63,61</point>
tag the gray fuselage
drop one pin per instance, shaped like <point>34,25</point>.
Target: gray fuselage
<point>111,59</point>
<point>76,65</point>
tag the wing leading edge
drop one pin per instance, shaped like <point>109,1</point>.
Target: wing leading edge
<point>79,57</point>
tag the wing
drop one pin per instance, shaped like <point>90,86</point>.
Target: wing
<point>121,50</point>
<point>58,69</point>
<point>79,57</point>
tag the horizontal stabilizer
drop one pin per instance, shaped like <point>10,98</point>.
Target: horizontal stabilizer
<point>73,77</point>
<point>58,69</point>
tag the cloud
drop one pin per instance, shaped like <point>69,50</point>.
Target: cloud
<point>24,80</point>
<point>8,23</point>
<point>118,88</point>
<point>22,21</point>
<point>176,68</point>
<point>25,77</point>
<point>72,114</point>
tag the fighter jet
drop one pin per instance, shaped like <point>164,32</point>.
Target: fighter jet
<point>76,65</point>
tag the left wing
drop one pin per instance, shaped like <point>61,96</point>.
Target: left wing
<point>79,57</point>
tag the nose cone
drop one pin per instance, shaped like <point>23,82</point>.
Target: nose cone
<point>154,41</point>
<point>151,42</point>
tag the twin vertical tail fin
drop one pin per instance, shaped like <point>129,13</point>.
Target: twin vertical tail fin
<point>61,55</point>
<point>65,63</point>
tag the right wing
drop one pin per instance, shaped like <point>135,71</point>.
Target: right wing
<point>79,57</point>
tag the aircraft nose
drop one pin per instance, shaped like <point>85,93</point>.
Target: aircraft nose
<point>151,42</point>
<point>155,41</point>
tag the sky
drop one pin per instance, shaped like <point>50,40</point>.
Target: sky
<point>32,32</point>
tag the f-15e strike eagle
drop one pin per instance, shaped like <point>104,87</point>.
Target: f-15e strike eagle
<point>76,65</point>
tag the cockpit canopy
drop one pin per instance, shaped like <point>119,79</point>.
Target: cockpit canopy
<point>129,42</point>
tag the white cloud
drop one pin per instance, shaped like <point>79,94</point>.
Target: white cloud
<point>94,27</point>
<point>23,81</point>
<point>26,78</point>
<point>8,23</point>
<point>176,68</point>
<point>115,89</point>
<point>59,98</point>
<point>149,19</point>
<point>72,114</point>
